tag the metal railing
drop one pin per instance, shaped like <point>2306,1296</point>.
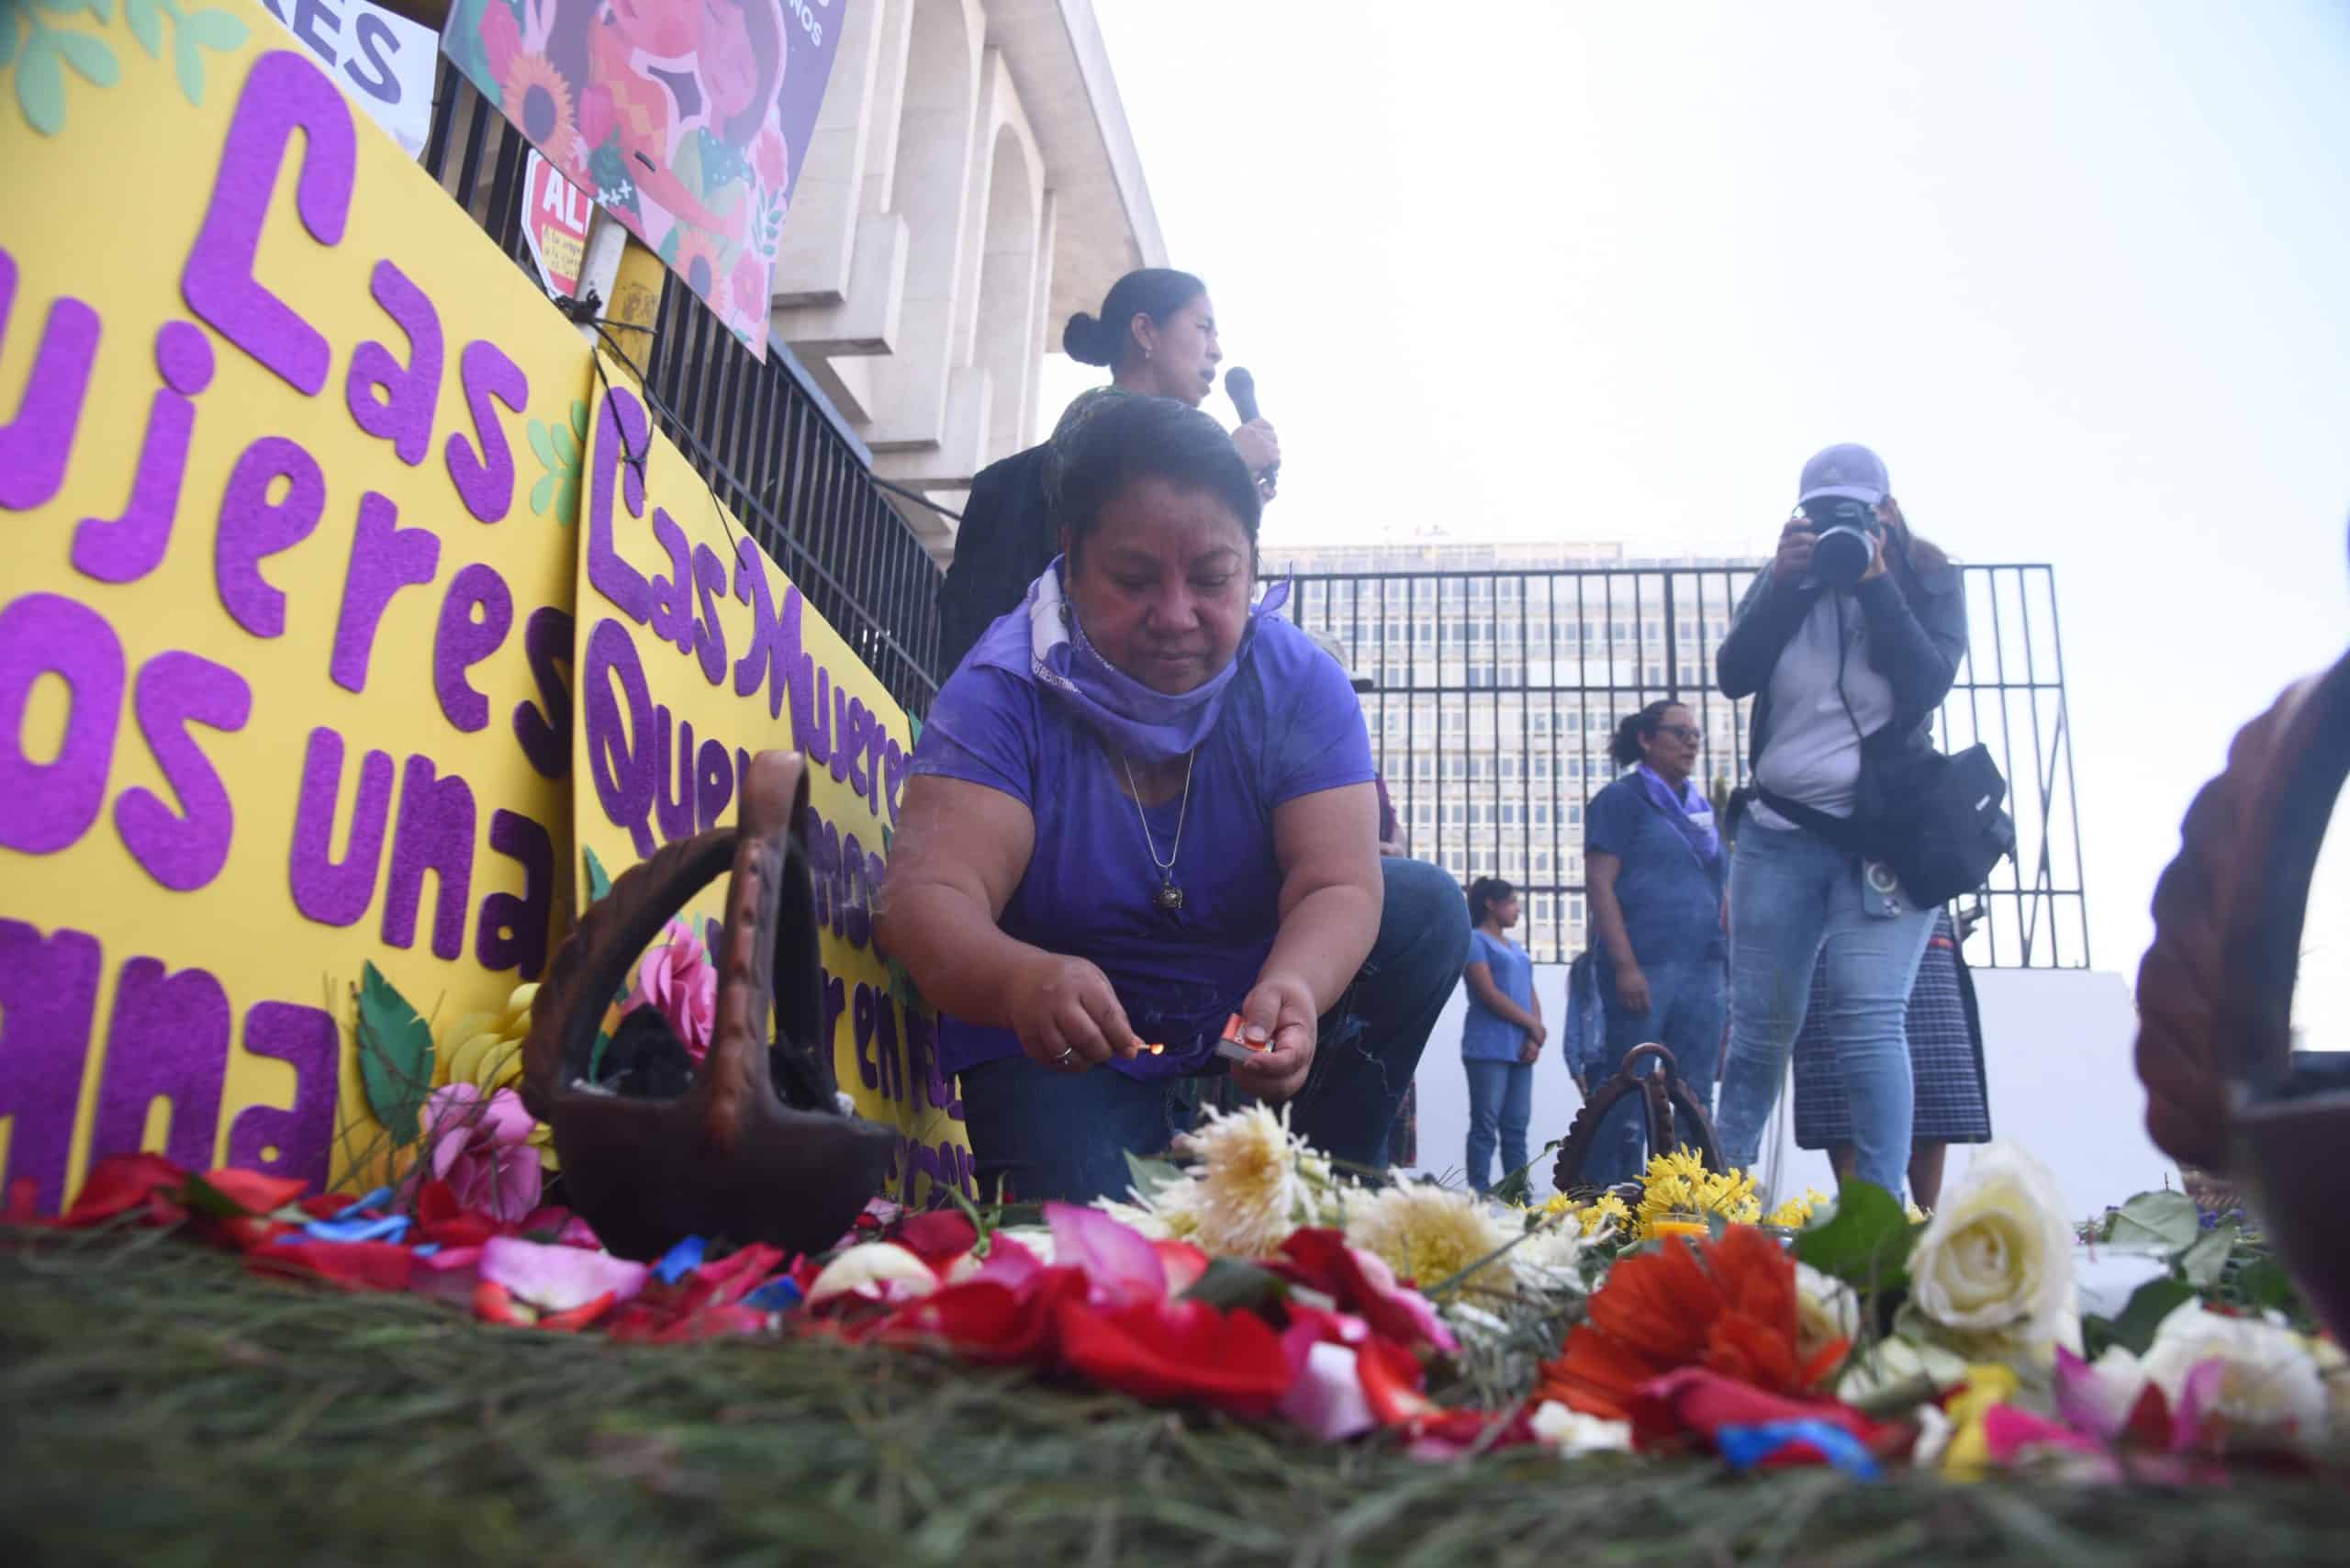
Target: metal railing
<point>766,438</point>
<point>1495,694</point>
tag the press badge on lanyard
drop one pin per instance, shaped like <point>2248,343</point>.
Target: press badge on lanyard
<point>1881,893</point>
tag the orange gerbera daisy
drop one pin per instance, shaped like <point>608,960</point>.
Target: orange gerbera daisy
<point>1727,1305</point>
<point>534,96</point>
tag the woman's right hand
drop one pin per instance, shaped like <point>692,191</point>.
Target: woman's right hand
<point>1795,543</point>
<point>1259,447</point>
<point>1632,992</point>
<point>1068,1016</point>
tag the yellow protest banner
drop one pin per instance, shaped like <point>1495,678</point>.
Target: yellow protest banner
<point>291,475</point>
<point>695,652</point>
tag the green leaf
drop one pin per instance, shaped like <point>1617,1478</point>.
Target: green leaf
<point>566,449</point>
<point>2155,1222</point>
<point>187,65</point>
<point>40,86</point>
<point>89,56</point>
<point>578,423</point>
<point>71,7</point>
<point>2206,1257</point>
<point>200,1196</point>
<point>540,493</point>
<point>2262,1282</point>
<point>216,30</point>
<point>2149,1304</point>
<point>1150,1175</point>
<point>596,1056</point>
<point>600,881</point>
<point>395,1055</point>
<point>146,19</point>
<point>7,36</point>
<point>543,443</point>
<point>1865,1241</point>
<point>1230,1285</point>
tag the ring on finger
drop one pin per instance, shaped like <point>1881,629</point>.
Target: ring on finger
<point>1068,1055</point>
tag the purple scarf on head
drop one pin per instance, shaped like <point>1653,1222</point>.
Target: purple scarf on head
<point>1050,648</point>
<point>1690,813</point>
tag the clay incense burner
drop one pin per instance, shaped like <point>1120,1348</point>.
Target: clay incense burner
<point>1672,1115</point>
<point>757,1147</point>
<point>2215,992</point>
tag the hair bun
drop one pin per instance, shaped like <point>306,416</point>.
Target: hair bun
<point>1081,340</point>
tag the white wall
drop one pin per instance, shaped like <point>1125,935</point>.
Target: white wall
<point>2056,1050</point>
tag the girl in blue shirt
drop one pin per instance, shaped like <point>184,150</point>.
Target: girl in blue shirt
<point>1502,1036</point>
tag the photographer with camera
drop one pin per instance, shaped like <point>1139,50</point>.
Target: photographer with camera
<point>1848,643</point>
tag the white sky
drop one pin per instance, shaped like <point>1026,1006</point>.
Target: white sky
<point>2079,271</point>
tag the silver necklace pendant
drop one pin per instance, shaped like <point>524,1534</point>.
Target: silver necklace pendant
<point>1168,898</point>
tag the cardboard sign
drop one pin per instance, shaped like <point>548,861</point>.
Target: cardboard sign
<point>290,502</point>
<point>384,63</point>
<point>554,225</point>
<point>696,651</point>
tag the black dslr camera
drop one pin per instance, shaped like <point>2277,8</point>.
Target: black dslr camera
<point>1848,532</point>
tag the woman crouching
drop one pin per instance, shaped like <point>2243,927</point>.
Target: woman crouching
<point>1144,805</point>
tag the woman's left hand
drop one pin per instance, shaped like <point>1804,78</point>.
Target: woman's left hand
<point>1281,1010</point>
<point>1529,1051</point>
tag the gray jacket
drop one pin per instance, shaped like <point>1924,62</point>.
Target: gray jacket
<point>1917,635</point>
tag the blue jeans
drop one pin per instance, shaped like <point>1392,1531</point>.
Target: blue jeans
<point>1686,998</point>
<point>1067,1135</point>
<point>1795,901</point>
<point>1501,1102</point>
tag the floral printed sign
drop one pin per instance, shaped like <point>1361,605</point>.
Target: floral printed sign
<point>688,119</point>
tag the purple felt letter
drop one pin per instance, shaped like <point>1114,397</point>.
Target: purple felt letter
<point>384,558</point>
<point>709,636</point>
<point>296,1142</point>
<point>284,92</point>
<point>619,749</point>
<point>331,892</point>
<point>514,933</point>
<point>673,591</point>
<point>48,990</point>
<point>486,483</point>
<point>45,806</point>
<point>385,397</point>
<point>436,834</point>
<point>253,528</point>
<point>675,812</point>
<point>545,738</point>
<point>35,445</point>
<point>713,784</point>
<point>168,1039</point>
<point>462,642</point>
<point>132,545</point>
<point>620,441</point>
<point>174,691</point>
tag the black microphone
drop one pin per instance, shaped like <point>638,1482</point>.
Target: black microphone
<point>1241,387</point>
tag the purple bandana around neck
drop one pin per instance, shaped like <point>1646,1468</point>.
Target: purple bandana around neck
<point>1690,813</point>
<point>1051,649</point>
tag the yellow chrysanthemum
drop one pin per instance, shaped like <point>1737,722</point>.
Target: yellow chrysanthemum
<point>1427,1234</point>
<point>1249,1191</point>
<point>1679,1189</point>
<point>1796,1213</point>
<point>485,1049</point>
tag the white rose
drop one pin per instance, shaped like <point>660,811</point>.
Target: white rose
<point>1573,1433</point>
<point>875,1269</point>
<point>2271,1381</point>
<point>1826,1311</point>
<point>1997,1258</point>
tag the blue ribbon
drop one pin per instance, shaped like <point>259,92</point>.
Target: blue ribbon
<point>390,1227</point>
<point>780,1295</point>
<point>680,1261</point>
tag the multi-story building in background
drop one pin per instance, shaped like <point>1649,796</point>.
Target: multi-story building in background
<point>1499,673</point>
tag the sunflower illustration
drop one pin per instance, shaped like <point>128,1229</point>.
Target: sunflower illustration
<point>536,99</point>
<point>698,263</point>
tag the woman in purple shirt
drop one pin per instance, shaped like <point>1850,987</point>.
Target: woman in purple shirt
<point>1144,805</point>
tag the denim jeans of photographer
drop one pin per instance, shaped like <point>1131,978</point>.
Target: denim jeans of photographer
<point>1796,901</point>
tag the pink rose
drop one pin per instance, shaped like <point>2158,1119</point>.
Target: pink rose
<point>481,1147</point>
<point>597,116</point>
<point>771,156</point>
<point>678,979</point>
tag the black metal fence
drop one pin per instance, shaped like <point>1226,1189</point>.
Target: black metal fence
<point>767,440</point>
<point>1496,692</point>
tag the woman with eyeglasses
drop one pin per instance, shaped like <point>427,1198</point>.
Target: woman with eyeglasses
<point>1654,877</point>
